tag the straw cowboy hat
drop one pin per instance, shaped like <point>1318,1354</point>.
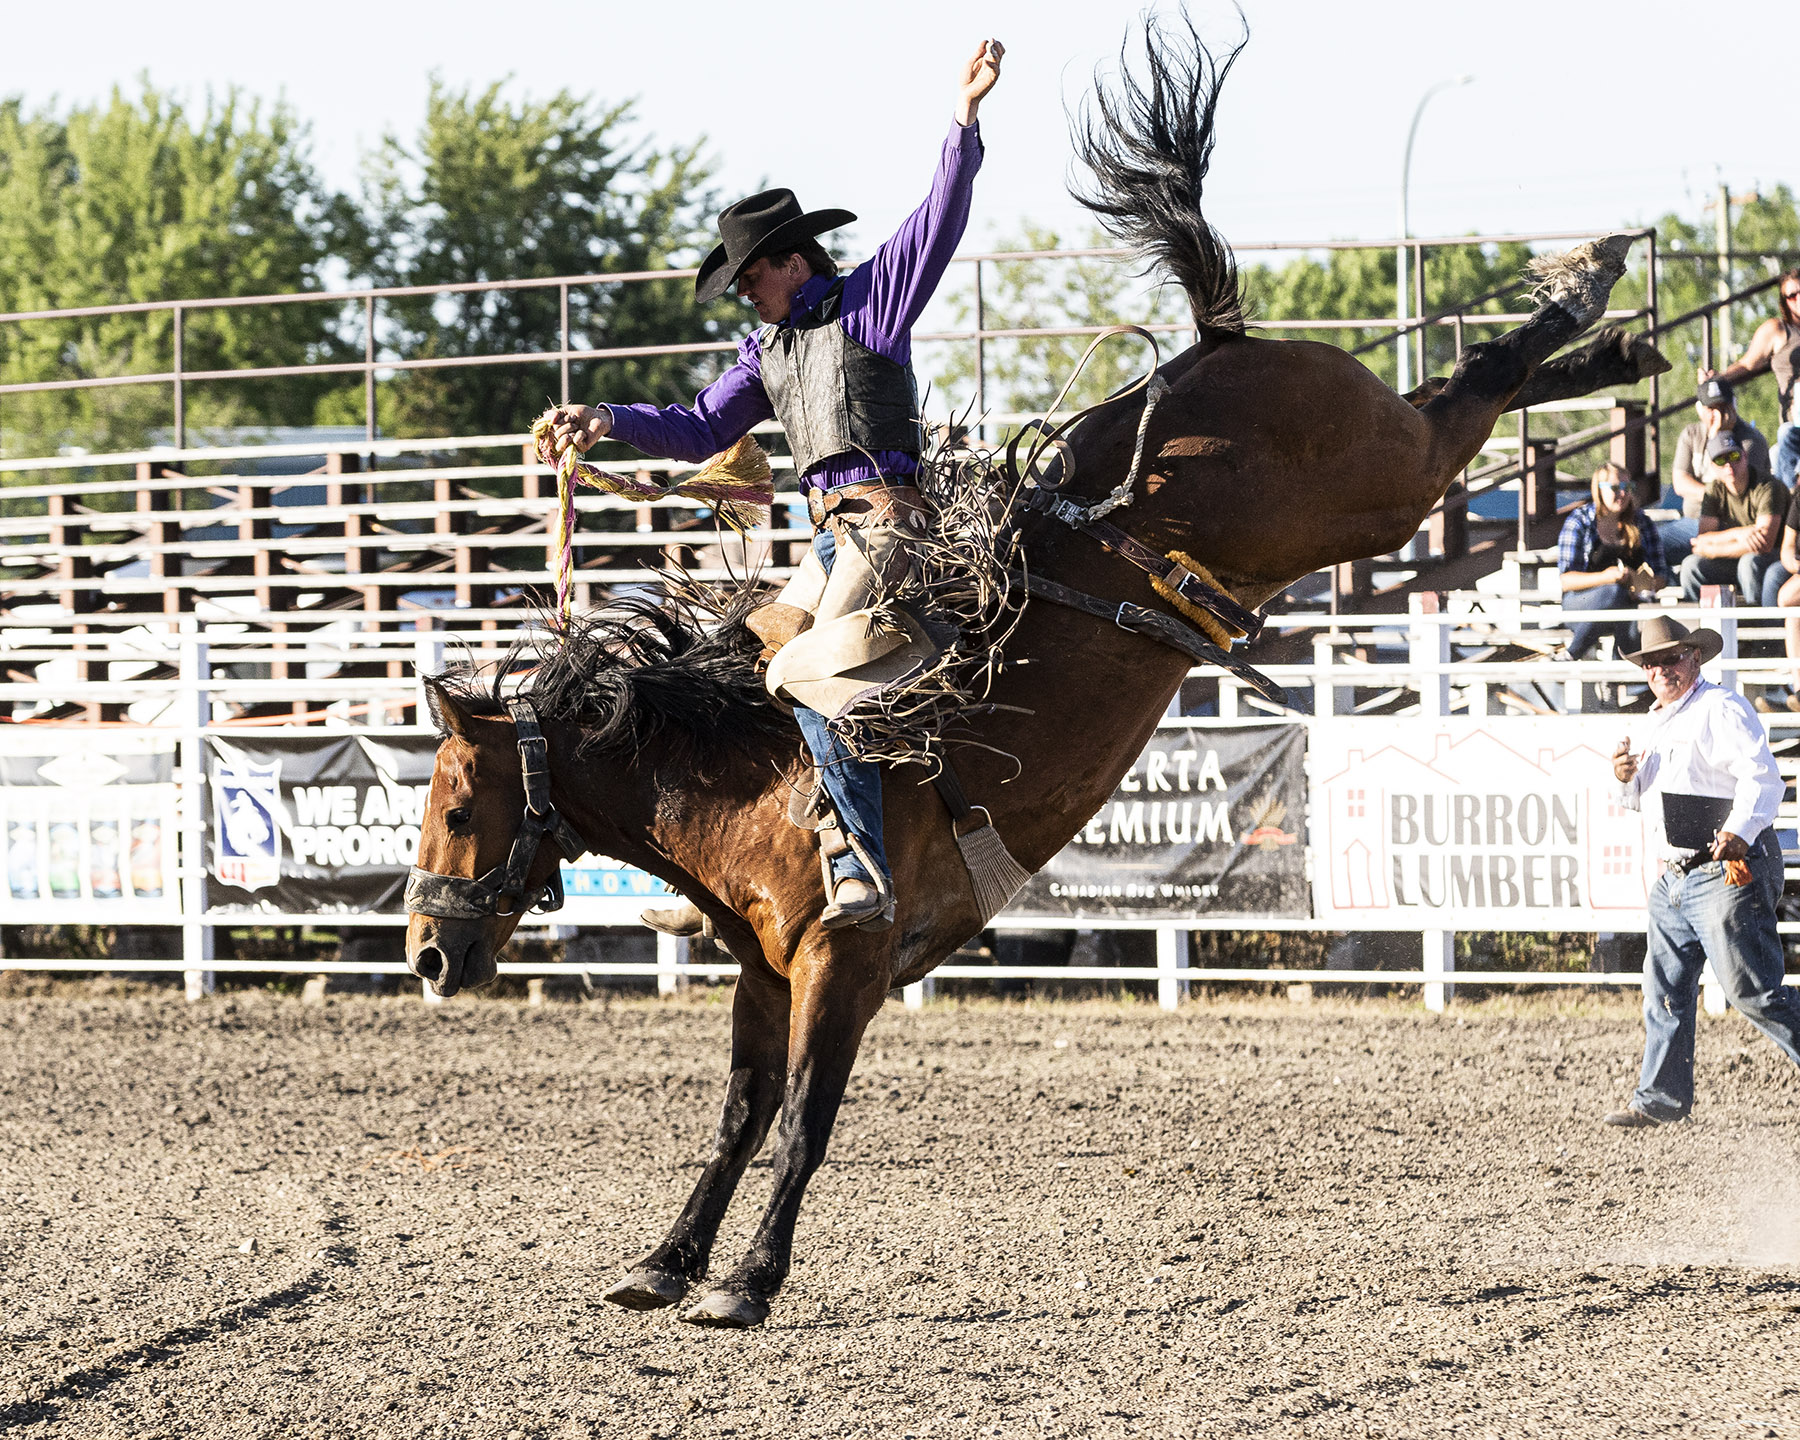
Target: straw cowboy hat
<point>1660,635</point>
<point>759,225</point>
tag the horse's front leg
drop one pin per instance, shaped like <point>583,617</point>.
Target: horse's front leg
<point>839,984</point>
<point>759,1051</point>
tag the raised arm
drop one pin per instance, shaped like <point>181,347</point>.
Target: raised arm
<point>906,269</point>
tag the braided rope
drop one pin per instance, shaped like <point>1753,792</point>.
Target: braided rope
<point>737,483</point>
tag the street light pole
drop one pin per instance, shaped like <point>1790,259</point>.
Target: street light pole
<point>1402,304</point>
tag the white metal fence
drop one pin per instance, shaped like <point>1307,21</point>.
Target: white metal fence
<point>1406,667</point>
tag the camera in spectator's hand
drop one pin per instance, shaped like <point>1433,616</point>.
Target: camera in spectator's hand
<point>1714,393</point>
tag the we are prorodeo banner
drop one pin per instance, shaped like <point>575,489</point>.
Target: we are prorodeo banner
<point>1483,824</point>
<point>1210,820</point>
<point>329,824</point>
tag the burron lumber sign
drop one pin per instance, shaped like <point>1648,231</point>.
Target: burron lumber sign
<point>1491,824</point>
<point>1209,821</point>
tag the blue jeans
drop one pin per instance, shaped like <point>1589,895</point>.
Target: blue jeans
<point>853,785</point>
<point>1773,580</point>
<point>1694,918</point>
<point>1584,633</point>
<point>1678,538</point>
<point>1786,454</point>
<point>1745,571</point>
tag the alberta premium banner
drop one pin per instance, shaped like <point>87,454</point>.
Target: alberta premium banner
<point>1483,824</point>
<point>1209,821</point>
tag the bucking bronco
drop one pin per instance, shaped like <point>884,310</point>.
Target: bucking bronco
<point>674,745</point>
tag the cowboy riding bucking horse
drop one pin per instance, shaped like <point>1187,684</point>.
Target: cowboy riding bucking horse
<point>833,363</point>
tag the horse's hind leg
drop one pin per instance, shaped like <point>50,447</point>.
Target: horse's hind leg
<point>1575,287</point>
<point>759,1045</point>
<point>835,997</point>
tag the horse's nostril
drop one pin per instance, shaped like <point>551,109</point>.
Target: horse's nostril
<point>429,964</point>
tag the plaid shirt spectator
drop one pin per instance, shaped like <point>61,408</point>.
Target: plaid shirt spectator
<point>1581,537</point>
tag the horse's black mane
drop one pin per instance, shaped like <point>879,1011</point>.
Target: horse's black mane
<point>641,670</point>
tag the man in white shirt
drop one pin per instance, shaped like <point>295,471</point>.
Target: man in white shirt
<point>1716,902</point>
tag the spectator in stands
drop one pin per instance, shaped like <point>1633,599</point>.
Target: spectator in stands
<point>1608,555</point>
<point>1776,346</point>
<point>1781,586</point>
<point>1716,406</point>
<point>1740,524</point>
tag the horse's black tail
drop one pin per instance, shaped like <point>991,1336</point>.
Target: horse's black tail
<point>1148,143</point>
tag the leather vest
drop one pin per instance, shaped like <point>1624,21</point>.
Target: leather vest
<point>833,394</point>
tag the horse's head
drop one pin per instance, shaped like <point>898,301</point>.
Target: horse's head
<point>489,844</point>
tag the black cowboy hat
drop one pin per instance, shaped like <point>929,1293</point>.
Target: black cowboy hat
<point>759,225</point>
<point>1662,635</point>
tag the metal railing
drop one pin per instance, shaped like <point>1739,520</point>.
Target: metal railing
<point>377,362</point>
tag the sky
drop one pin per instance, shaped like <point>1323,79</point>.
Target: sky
<point>1580,114</point>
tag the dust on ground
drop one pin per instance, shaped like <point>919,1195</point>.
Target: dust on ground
<point>250,1217</point>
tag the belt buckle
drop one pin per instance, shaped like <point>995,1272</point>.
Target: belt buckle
<point>815,507</point>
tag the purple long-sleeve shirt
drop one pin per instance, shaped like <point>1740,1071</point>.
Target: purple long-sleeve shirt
<point>883,298</point>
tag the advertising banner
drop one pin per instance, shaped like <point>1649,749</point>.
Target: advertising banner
<point>1474,824</point>
<point>329,825</point>
<point>1209,821</point>
<point>90,824</point>
<point>599,891</point>
<point>315,824</point>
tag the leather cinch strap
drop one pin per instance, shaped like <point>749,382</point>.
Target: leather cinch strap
<point>502,891</point>
<point>1156,625</point>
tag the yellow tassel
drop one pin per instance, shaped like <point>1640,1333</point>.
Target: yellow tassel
<point>1210,625</point>
<point>743,464</point>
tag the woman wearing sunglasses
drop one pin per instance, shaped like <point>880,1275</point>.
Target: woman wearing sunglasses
<point>1608,555</point>
<point>1776,346</point>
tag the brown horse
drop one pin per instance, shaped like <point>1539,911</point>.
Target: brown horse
<point>1266,461</point>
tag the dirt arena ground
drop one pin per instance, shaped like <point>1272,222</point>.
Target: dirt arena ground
<point>249,1217</point>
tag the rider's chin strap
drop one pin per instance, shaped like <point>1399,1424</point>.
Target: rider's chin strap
<point>502,891</point>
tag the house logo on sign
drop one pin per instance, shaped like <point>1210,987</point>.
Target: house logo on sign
<point>247,824</point>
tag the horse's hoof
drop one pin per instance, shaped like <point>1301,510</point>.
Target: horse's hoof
<point>647,1290</point>
<point>1581,280</point>
<point>727,1311</point>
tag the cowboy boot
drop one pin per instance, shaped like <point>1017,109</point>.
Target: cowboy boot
<point>854,901</point>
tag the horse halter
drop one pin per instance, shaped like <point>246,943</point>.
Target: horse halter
<point>502,890</point>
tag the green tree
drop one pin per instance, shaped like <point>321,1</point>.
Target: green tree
<point>136,199</point>
<point>1765,238</point>
<point>502,189</point>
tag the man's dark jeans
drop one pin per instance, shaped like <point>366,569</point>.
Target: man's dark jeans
<point>853,785</point>
<point>1693,918</point>
<point>1744,571</point>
